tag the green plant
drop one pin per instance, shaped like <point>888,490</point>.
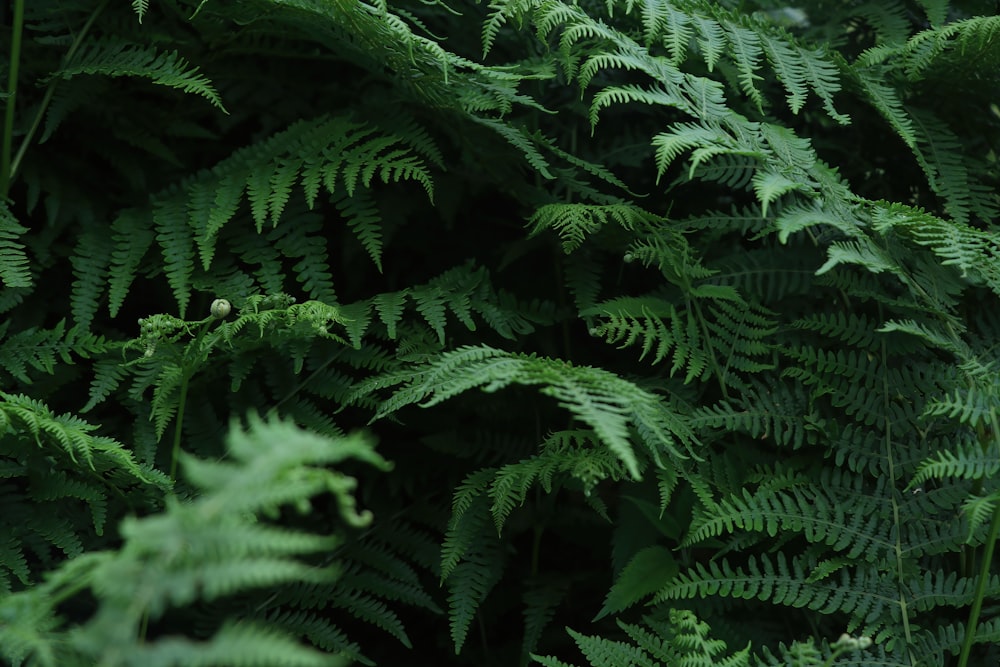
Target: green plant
<point>673,304</point>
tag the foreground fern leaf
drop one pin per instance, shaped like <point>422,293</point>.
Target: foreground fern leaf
<point>209,547</point>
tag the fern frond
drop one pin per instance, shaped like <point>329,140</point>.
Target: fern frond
<point>603,401</point>
<point>237,644</point>
<point>335,153</point>
<point>540,601</point>
<point>71,434</point>
<point>90,266</point>
<point>140,7</point>
<point>364,220</point>
<point>561,452</point>
<point>887,101</point>
<point>371,610</point>
<point>860,533</point>
<point>42,349</point>
<point>133,234</point>
<point>111,57</point>
<point>108,374</point>
<point>941,157</point>
<point>520,139</point>
<point>864,594</point>
<point>575,222</point>
<point>745,45</point>
<point>655,324</point>
<point>777,413</point>
<point>318,630</point>
<point>969,249</point>
<point>469,584</point>
<point>58,486</point>
<point>14,270</point>
<point>966,462</point>
<point>302,241</point>
<point>174,236</point>
<point>648,570</point>
<point>680,638</point>
<point>469,521</point>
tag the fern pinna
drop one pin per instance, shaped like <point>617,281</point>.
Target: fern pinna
<point>674,320</point>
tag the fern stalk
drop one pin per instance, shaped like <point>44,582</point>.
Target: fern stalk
<point>903,613</point>
<point>8,123</point>
<point>189,369</point>
<point>977,602</point>
<point>8,167</point>
<point>175,451</point>
<point>984,567</point>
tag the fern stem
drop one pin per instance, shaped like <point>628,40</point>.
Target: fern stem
<point>706,337</point>
<point>182,402</point>
<point>46,99</point>
<point>984,565</point>
<point>977,601</point>
<point>891,463</point>
<point>190,365</point>
<point>8,124</point>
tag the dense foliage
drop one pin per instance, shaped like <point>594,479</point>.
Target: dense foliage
<point>674,325</point>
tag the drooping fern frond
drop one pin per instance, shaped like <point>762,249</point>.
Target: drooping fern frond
<point>463,291</point>
<point>575,222</point>
<point>22,415</point>
<point>606,403</point>
<point>90,265</point>
<point>657,326</point>
<point>114,58</point>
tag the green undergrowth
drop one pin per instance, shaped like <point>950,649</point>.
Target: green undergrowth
<point>638,332</point>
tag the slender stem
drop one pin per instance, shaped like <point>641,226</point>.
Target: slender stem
<point>8,122</point>
<point>898,546</point>
<point>984,575</point>
<point>178,426</point>
<point>985,438</point>
<point>50,91</point>
<point>191,362</point>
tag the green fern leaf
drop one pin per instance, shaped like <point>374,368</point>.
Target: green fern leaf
<point>711,40</point>
<point>430,303</point>
<point>362,215</point>
<point>769,185</point>
<point>540,601</point>
<point>389,306</point>
<point>90,267</point>
<point>303,240</point>
<point>140,7</point>
<point>132,235</point>
<point>174,236</point>
<point>14,270</point>
<point>113,58</point>
<point>745,45</point>
<point>469,584</point>
<point>648,571</point>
